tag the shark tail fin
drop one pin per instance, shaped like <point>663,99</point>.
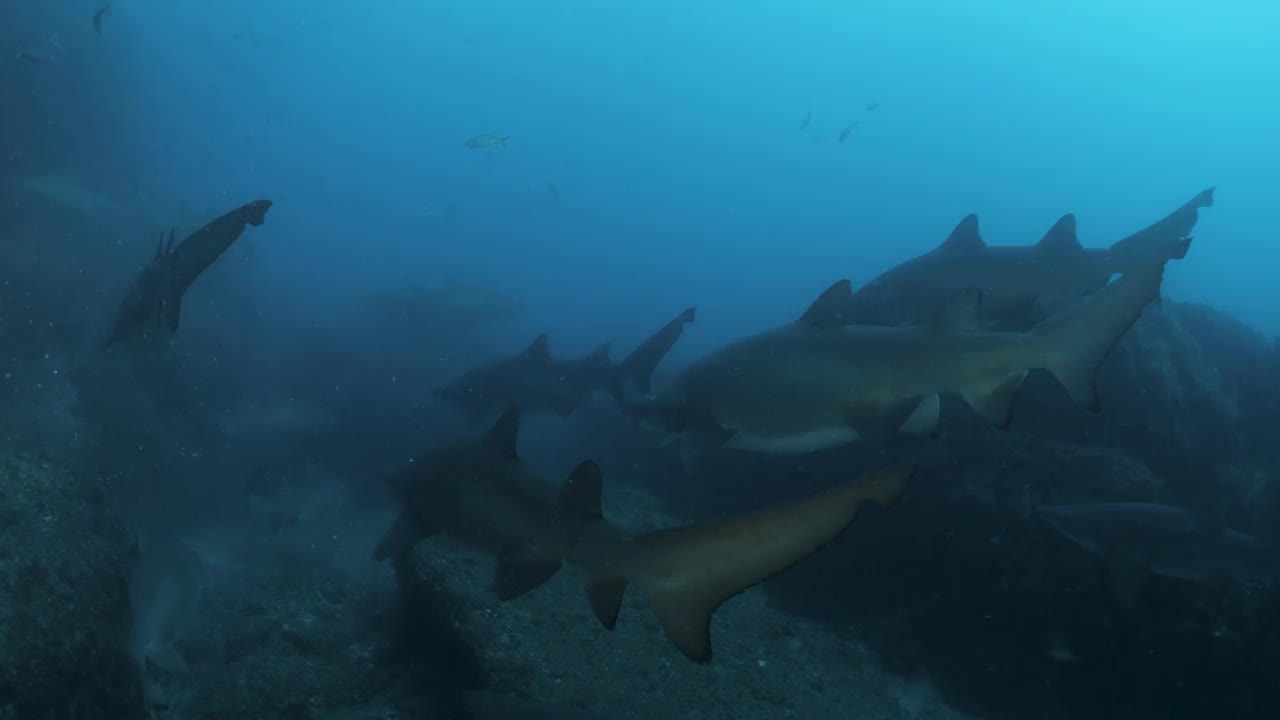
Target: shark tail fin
<point>687,573</point>
<point>638,367</point>
<point>1075,340</point>
<point>254,213</point>
<point>1165,239</point>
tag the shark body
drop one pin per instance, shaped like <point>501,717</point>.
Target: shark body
<point>478,490</point>
<point>1139,539</point>
<point>818,382</point>
<point>535,380</point>
<point>156,292</point>
<point>1021,285</point>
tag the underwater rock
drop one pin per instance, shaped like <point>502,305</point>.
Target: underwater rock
<point>301,644</point>
<point>1248,361</point>
<point>1162,380</point>
<point>65,547</point>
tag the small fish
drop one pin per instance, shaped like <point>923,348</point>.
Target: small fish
<point>808,117</point>
<point>844,134</point>
<point>102,12</point>
<point>872,107</point>
<point>551,188</point>
<point>29,57</point>
<point>486,140</point>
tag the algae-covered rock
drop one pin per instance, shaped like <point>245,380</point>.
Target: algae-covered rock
<point>65,547</point>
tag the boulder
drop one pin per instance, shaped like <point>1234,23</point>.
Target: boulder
<point>65,548</point>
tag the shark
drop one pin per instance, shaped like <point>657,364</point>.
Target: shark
<point>536,380</point>
<point>818,382</point>
<point>480,491</point>
<point>1021,285</point>
<point>1139,539</point>
<point>157,290</point>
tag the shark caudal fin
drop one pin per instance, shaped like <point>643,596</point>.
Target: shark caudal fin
<point>686,573</point>
<point>254,213</point>
<point>1075,340</point>
<point>638,367</point>
<point>1166,239</point>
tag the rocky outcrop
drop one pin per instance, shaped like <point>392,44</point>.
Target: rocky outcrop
<point>65,547</point>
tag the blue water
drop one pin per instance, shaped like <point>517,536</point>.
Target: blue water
<point>672,134</point>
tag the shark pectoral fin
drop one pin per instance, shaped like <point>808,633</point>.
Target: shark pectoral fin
<point>876,420</point>
<point>581,493</point>
<point>996,404</point>
<point>686,573</point>
<point>924,419</point>
<point>961,313</point>
<point>1127,577</point>
<point>400,538</point>
<point>606,599</point>
<point>522,569</point>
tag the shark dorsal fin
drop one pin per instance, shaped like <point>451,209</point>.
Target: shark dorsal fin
<point>1061,237</point>
<point>600,355</point>
<point>964,237</point>
<point>961,313</point>
<point>501,438</point>
<point>581,493</point>
<point>833,308</point>
<point>538,350</point>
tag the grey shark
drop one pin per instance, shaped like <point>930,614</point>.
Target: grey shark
<point>478,490</point>
<point>1139,539</point>
<point>817,382</point>
<point>156,293</point>
<point>1020,284</point>
<point>537,381</point>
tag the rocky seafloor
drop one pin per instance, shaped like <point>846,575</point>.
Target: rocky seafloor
<point>289,632</point>
<point>956,591</point>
